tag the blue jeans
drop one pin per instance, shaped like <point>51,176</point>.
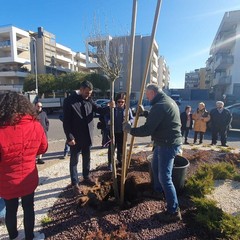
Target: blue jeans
<point>74,158</point>
<point>162,166</point>
<point>66,150</point>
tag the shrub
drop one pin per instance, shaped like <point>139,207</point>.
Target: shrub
<point>220,224</point>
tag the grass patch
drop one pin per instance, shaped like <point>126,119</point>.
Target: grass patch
<point>218,223</point>
<point>46,220</point>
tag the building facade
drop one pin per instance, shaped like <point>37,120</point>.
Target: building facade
<point>119,47</point>
<point>14,57</point>
<point>23,52</point>
<point>163,74</point>
<point>223,65</point>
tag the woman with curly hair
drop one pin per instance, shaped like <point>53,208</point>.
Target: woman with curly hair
<point>21,139</point>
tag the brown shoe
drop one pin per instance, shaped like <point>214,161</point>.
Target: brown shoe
<point>76,190</point>
<point>167,217</point>
<point>88,181</point>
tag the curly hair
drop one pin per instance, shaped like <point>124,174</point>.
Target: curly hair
<point>13,106</point>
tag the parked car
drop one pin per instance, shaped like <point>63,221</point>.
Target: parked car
<point>145,103</point>
<point>235,110</point>
<point>101,102</point>
<point>229,100</point>
<point>176,98</point>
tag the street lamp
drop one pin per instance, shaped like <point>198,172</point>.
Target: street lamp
<point>35,62</point>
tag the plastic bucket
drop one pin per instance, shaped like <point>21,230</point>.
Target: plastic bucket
<point>179,172</point>
<point>180,167</point>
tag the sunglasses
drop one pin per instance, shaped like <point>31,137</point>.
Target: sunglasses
<point>120,101</point>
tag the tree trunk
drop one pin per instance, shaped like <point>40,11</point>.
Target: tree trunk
<point>113,160</point>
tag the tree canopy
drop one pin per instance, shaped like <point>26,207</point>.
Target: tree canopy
<point>47,83</point>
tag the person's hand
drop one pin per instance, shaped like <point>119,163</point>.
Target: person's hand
<point>145,113</point>
<point>126,127</point>
<point>112,104</point>
<point>140,109</point>
<point>71,143</point>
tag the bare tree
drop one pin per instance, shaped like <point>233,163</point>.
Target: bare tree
<point>105,54</point>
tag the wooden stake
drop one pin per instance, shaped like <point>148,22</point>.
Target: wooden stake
<point>128,92</point>
<point>145,76</point>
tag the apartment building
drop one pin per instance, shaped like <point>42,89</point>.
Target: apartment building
<point>223,65</point>
<point>53,57</point>
<point>119,47</point>
<point>23,52</point>
<point>196,79</point>
<point>163,73</point>
<point>14,57</point>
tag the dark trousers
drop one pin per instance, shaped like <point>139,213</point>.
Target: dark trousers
<point>185,133</point>
<point>28,216</point>
<point>75,152</point>
<point>201,134</point>
<point>105,137</point>
<point>223,135</point>
<point>118,145</point>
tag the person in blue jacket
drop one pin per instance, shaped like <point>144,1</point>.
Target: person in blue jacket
<point>119,115</point>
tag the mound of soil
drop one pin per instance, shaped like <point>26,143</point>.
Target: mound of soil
<point>96,214</point>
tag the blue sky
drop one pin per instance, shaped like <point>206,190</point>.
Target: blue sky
<point>186,28</point>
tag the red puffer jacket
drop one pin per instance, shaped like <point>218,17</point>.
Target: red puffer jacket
<point>19,146</point>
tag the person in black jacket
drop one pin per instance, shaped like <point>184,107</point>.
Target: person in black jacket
<point>43,119</point>
<point>220,123</point>
<point>78,112</point>
<point>164,125</point>
<point>187,122</point>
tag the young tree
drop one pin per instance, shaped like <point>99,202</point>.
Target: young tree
<point>106,54</point>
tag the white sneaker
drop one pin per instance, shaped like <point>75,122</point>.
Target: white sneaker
<point>39,236</point>
<point>21,235</point>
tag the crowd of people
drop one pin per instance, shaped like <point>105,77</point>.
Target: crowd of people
<point>23,140</point>
<point>218,120</point>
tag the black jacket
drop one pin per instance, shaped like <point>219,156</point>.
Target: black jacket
<point>78,119</point>
<point>43,119</point>
<point>220,120</point>
<point>183,117</point>
<point>163,122</point>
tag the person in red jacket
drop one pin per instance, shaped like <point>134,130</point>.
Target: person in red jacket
<point>21,139</point>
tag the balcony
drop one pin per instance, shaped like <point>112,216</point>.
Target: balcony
<point>154,68</point>
<point>11,87</point>
<point>6,43</point>
<point>224,80</point>
<point>92,62</point>
<point>224,62</point>
<point>13,74</point>
<point>23,46</point>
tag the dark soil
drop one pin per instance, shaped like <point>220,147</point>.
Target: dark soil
<point>96,215</point>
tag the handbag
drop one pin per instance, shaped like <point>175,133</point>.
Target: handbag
<point>99,125</point>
